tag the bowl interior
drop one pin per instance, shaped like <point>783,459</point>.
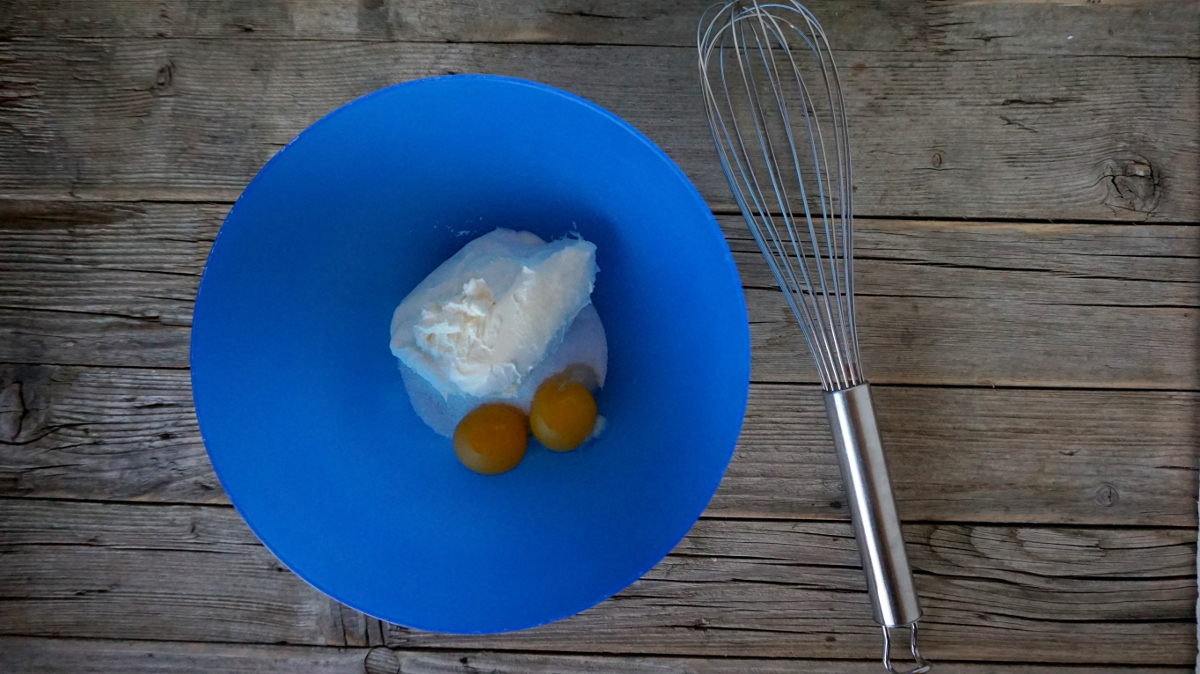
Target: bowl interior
<point>303,410</point>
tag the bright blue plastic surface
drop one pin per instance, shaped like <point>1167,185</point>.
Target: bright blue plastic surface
<point>301,404</point>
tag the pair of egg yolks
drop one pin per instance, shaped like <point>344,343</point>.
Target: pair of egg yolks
<point>491,438</point>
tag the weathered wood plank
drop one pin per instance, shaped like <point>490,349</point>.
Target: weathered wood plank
<point>1036,263</point>
<point>941,302</point>
<point>933,135</point>
<point>999,455</point>
<point>102,434</point>
<point>949,341</point>
<point>385,661</point>
<point>749,598</point>
<point>58,262</point>
<point>65,337</point>
<point>956,454</point>
<point>27,655</point>
<point>179,573</point>
<point>1155,27</point>
<point>732,588</point>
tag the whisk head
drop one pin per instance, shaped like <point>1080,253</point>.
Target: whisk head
<point>775,109</point>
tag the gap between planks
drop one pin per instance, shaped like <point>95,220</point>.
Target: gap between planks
<point>706,517</point>
<point>718,211</point>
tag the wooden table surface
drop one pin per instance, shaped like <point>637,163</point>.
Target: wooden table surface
<point>1028,186</point>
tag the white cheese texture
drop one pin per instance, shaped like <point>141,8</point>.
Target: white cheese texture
<point>493,321</point>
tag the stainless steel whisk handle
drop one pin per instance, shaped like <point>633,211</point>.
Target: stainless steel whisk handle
<point>873,511</point>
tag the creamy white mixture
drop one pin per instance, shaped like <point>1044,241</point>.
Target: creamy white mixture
<point>490,322</point>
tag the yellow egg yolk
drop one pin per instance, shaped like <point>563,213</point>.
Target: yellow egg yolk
<point>563,414</point>
<point>491,438</point>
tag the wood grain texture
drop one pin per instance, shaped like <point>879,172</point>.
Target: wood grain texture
<point>934,135</point>
<point>940,302</point>
<point>1056,457</point>
<point>25,655</point>
<point>1156,27</point>
<point>962,109</point>
<point>30,655</point>
<point>385,661</point>
<point>731,588</point>
<point>999,455</point>
<point>1036,263</point>
<point>178,573</point>
<point>748,596</point>
<point>102,434</point>
<point>954,297</point>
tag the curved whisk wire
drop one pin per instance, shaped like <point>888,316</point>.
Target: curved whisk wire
<point>786,154</point>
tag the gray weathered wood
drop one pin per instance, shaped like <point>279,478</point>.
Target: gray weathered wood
<point>177,573</point>
<point>940,302</point>
<point>732,588</point>
<point>1158,27</point>
<point>102,434</point>
<point>30,655</point>
<point>749,599</point>
<point>1101,138</point>
<point>999,455</point>
<point>1035,263</point>
<point>384,661</point>
<point>949,341</point>
<point>956,454</point>
<point>984,109</point>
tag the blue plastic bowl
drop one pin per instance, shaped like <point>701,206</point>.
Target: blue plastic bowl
<point>303,410</point>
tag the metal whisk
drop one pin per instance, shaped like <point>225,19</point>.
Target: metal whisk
<point>784,148</point>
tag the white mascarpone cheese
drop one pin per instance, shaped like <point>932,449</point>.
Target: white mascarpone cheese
<point>480,322</point>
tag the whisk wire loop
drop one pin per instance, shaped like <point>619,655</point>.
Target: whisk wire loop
<point>795,196</point>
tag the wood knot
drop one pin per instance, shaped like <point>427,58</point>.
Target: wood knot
<point>1106,495</point>
<point>165,76</point>
<point>937,159</point>
<point>381,660</point>
<point>1133,185</point>
<point>12,412</point>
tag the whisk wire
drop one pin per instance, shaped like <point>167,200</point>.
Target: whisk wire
<point>748,189</point>
<point>830,214</point>
<point>771,68</point>
<point>779,186</point>
<point>750,50</point>
<point>815,138</point>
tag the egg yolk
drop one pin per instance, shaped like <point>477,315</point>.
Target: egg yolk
<point>491,438</point>
<point>563,414</point>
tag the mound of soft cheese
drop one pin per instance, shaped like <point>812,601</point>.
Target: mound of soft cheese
<point>496,319</point>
